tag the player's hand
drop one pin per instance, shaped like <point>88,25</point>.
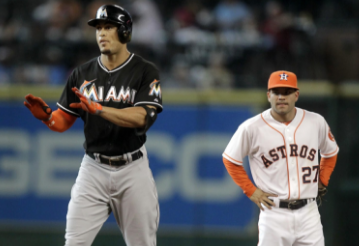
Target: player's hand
<point>39,109</point>
<point>260,197</point>
<point>320,185</point>
<point>86,104</point>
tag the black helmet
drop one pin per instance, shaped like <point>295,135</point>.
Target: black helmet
<point>118,16</point>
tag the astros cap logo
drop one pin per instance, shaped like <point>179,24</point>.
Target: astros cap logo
<point>283,76</point>
<point>282,79</point>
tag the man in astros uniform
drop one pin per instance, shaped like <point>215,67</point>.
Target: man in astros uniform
<point>282,145</point>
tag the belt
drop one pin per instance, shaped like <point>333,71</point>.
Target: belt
<point>295,204</point>
<point>115,160</point>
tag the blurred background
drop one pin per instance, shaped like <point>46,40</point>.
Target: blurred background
<point>215,57</point>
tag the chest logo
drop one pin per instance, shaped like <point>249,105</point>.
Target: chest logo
<point>295,150</point>
<point>283,76</point>
<point>85,84</point>
<point>155,89</point>
<point>96,93</point>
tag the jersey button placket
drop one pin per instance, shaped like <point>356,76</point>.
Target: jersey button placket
<point>291,164</point>
<point>290,141</point>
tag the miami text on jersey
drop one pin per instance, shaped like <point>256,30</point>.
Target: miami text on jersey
<point>96,94</point>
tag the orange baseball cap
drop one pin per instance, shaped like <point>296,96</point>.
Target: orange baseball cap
<point>282,79</point>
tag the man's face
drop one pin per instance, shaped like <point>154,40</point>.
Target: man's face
<point>107,38</point>
<point>282,99</point>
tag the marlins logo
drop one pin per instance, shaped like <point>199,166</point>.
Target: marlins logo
<point>103,13</point>
<point>89,90</point>
<point>283,76</point>
<point>155,89</point>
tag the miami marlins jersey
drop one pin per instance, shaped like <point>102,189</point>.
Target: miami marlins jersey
<point>283,158</point>
<point>134,83</point>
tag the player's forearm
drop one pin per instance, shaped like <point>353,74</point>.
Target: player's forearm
<point>60,121</point>
<point>134,117</point>
<point>240,177</point>
<point>326,168</point>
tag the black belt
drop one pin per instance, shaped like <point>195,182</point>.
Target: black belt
<point>116,161</point>
<point>295,204</point>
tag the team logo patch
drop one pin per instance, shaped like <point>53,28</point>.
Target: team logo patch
<point>89,90</point>
<point>85,84</point>
<point>103,13</point>
<point>283,76</point>
<point>155,89</point>
<point>330,135</point>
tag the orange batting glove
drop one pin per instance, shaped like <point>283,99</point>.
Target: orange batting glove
<point>86,104</point>
<point>39,109</point>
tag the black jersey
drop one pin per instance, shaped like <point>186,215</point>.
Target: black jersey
<point>135,82</point>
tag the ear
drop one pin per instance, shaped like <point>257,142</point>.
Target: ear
<point>268,95</point>
<point>297,95</point>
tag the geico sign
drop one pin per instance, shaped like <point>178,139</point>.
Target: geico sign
<point>35,164</point>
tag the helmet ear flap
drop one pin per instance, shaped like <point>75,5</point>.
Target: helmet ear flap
<point>124,35</point>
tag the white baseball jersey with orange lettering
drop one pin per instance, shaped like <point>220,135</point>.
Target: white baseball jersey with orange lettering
<point>283,158</point>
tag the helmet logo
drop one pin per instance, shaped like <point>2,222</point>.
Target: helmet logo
<point>119,18</point>
<point>103,13</point>
<point>283,76</point>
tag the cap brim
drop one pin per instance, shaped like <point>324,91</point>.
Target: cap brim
<point>94,22</point>
<point>284,86</point>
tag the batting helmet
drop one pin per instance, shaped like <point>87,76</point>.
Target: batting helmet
<point>118,16</point>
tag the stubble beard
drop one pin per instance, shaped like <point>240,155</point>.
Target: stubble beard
<point>106,52</point>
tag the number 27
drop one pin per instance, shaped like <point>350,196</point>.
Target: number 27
<point>308,172</point>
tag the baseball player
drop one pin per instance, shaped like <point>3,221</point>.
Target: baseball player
<point>118,96</point>
<point>282,145</point>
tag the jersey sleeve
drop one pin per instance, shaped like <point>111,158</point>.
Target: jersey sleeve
<point>327,145</point>
<point>68,96</point>
<point>150,91</point>
<point>239,146</point>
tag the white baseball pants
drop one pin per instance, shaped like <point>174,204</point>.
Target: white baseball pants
<point>128,191</point>
<point>285,227</point>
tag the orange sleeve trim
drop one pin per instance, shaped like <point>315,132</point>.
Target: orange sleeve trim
<point>228,157</point>
<point>240,177</point>
<point>324,155</point>
<point>60,121</point>
<point>326,168</point>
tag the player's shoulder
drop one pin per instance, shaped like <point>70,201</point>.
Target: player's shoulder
<point>90,65</point>
<point>309,115</point>
<point>140,61</point>
<point>252,123</point>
